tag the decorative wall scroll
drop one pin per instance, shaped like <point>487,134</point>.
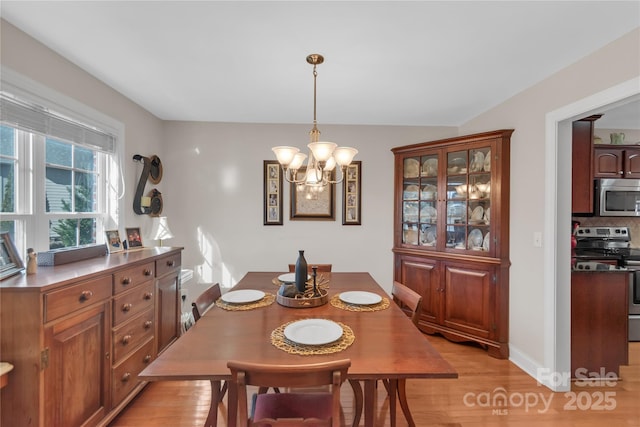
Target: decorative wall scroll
<point>272,176</point>
<point>352,194</point>
<point>312,203</point>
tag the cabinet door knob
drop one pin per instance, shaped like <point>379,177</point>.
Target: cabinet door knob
<point>171,263</point>
<point>85,295</point>
<point>148,324</point>
<point>148,295</point>
<point>126,307</point>
<point>126,280</point>
<point>126,377</point>
<point>147,358</point>
<point>126,339</point>
<point>147,272</point>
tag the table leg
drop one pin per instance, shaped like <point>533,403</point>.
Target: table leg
<point>232,404</point>
<point>369,402</point>
<point>212,417</point>
<point>402,397</point>
<point>392,387</point>
<point>357,394</point>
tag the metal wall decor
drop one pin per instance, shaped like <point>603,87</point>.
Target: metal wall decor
<point>152,171</point>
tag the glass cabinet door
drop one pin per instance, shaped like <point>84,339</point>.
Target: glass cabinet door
<point>468,178</point>
<point>419,200</point>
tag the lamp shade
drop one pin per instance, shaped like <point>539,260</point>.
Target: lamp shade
<point>160,229</point>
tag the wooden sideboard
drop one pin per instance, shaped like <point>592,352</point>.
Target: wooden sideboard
<point>78,335</point>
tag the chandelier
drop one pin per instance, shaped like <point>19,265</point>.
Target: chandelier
<point>323,156</point>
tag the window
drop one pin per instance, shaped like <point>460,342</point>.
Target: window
<point>55,172</point>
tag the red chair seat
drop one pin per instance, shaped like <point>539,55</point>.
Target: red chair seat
<point>293,405</point>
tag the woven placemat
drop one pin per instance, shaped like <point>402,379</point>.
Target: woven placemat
<point>268,299</point>
<point>278,339</point>
<point>338,303</point>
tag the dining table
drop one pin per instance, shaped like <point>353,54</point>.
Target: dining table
<point>378,338</point>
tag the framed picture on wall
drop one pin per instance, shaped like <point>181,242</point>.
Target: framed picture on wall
<point>114,244</point>
<point>352,194</point>
<point>312,203</point>
<point>272,177</point>
<point>134,238</point>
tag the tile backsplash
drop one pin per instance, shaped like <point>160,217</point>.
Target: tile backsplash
<point>632,223</point>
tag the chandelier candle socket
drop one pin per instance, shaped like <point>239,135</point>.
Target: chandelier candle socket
<point>323,155</point>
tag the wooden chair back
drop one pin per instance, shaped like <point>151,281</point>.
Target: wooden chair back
<point>205,301</point>
<point>322,268</point>
<point>407,299</point>
<point>332,373</point>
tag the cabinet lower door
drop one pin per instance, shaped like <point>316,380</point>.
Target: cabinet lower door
<point>167,309</point>
<point>77,375</point>
<point>422,276</point>
<point>468,296</point>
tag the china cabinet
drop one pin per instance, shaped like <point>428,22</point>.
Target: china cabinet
<point>451,235</point>
<point>78,334</point>
<point>616,162</point>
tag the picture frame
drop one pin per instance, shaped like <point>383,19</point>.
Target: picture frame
<point>352,194</point>
<point>10,262</point>
<point>272,203</point>
<point>114,243</point>
<point>134,237</point>
<point>310,205</point>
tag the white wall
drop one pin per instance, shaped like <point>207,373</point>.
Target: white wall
<point>214,199</point>
<point>526,112</point>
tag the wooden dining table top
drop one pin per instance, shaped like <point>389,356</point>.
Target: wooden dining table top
<point>386,345</point>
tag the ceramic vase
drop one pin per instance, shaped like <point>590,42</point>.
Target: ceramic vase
<point>301,272</point>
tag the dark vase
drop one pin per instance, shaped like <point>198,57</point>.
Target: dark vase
<point>301,272</point>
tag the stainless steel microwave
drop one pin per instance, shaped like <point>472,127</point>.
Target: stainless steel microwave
<point>618,197</point>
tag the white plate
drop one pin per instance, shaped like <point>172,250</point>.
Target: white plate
<point>289,278</point>
<point>411,168</point>
<point>360,298</point>
<point>313,331</point>
<point>243,296</point>
<point>477,214</point>
<point>485,242</point>
<point>430,167</point>
<point>487,162</point>
<point>428,237</point>
<point>475,239</point>
<point>428,214</point>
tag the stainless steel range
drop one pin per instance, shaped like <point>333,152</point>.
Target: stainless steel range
<point>613,245</point>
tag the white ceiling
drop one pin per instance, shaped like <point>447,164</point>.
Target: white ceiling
<point>386,62</point>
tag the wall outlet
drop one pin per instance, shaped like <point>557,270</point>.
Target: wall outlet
<point>537,239</point>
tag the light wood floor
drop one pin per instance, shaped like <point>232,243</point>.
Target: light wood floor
<point>466,401</point>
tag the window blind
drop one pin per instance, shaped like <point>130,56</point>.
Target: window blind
<point>34,118</point>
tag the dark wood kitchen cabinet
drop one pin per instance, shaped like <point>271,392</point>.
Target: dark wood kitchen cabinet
<point>451,235</point>
<point>616,162</point>
<point>78,334</point>
<point>599,322</point>
<point>581,165</point>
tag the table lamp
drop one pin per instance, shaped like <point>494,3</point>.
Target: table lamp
<point>160,229</point>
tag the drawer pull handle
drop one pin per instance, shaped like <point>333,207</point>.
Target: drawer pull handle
<point>148,295</point>
<point>147,272</point>
<point>171,263</point>
<point>85,295</point>
<point>126,377</point>
<point>126,281</point>
<point>126,339</point>
<point>147,358</point>
<point>148,324</point>
<point>126,307</point>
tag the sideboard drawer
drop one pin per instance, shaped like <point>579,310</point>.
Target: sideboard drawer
<point>125,375</point>
<point>69,299</point>
<point>167,264</point>
<point>131,334</point>
<point>131,277</point>
<point>128,305</point>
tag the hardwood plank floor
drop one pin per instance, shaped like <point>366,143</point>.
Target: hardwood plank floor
<point>471,400</point>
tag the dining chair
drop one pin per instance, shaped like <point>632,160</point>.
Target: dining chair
<point>322,268</point>
<point>290,408</point>
<point>410,302</point>
<point>199,307</point>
